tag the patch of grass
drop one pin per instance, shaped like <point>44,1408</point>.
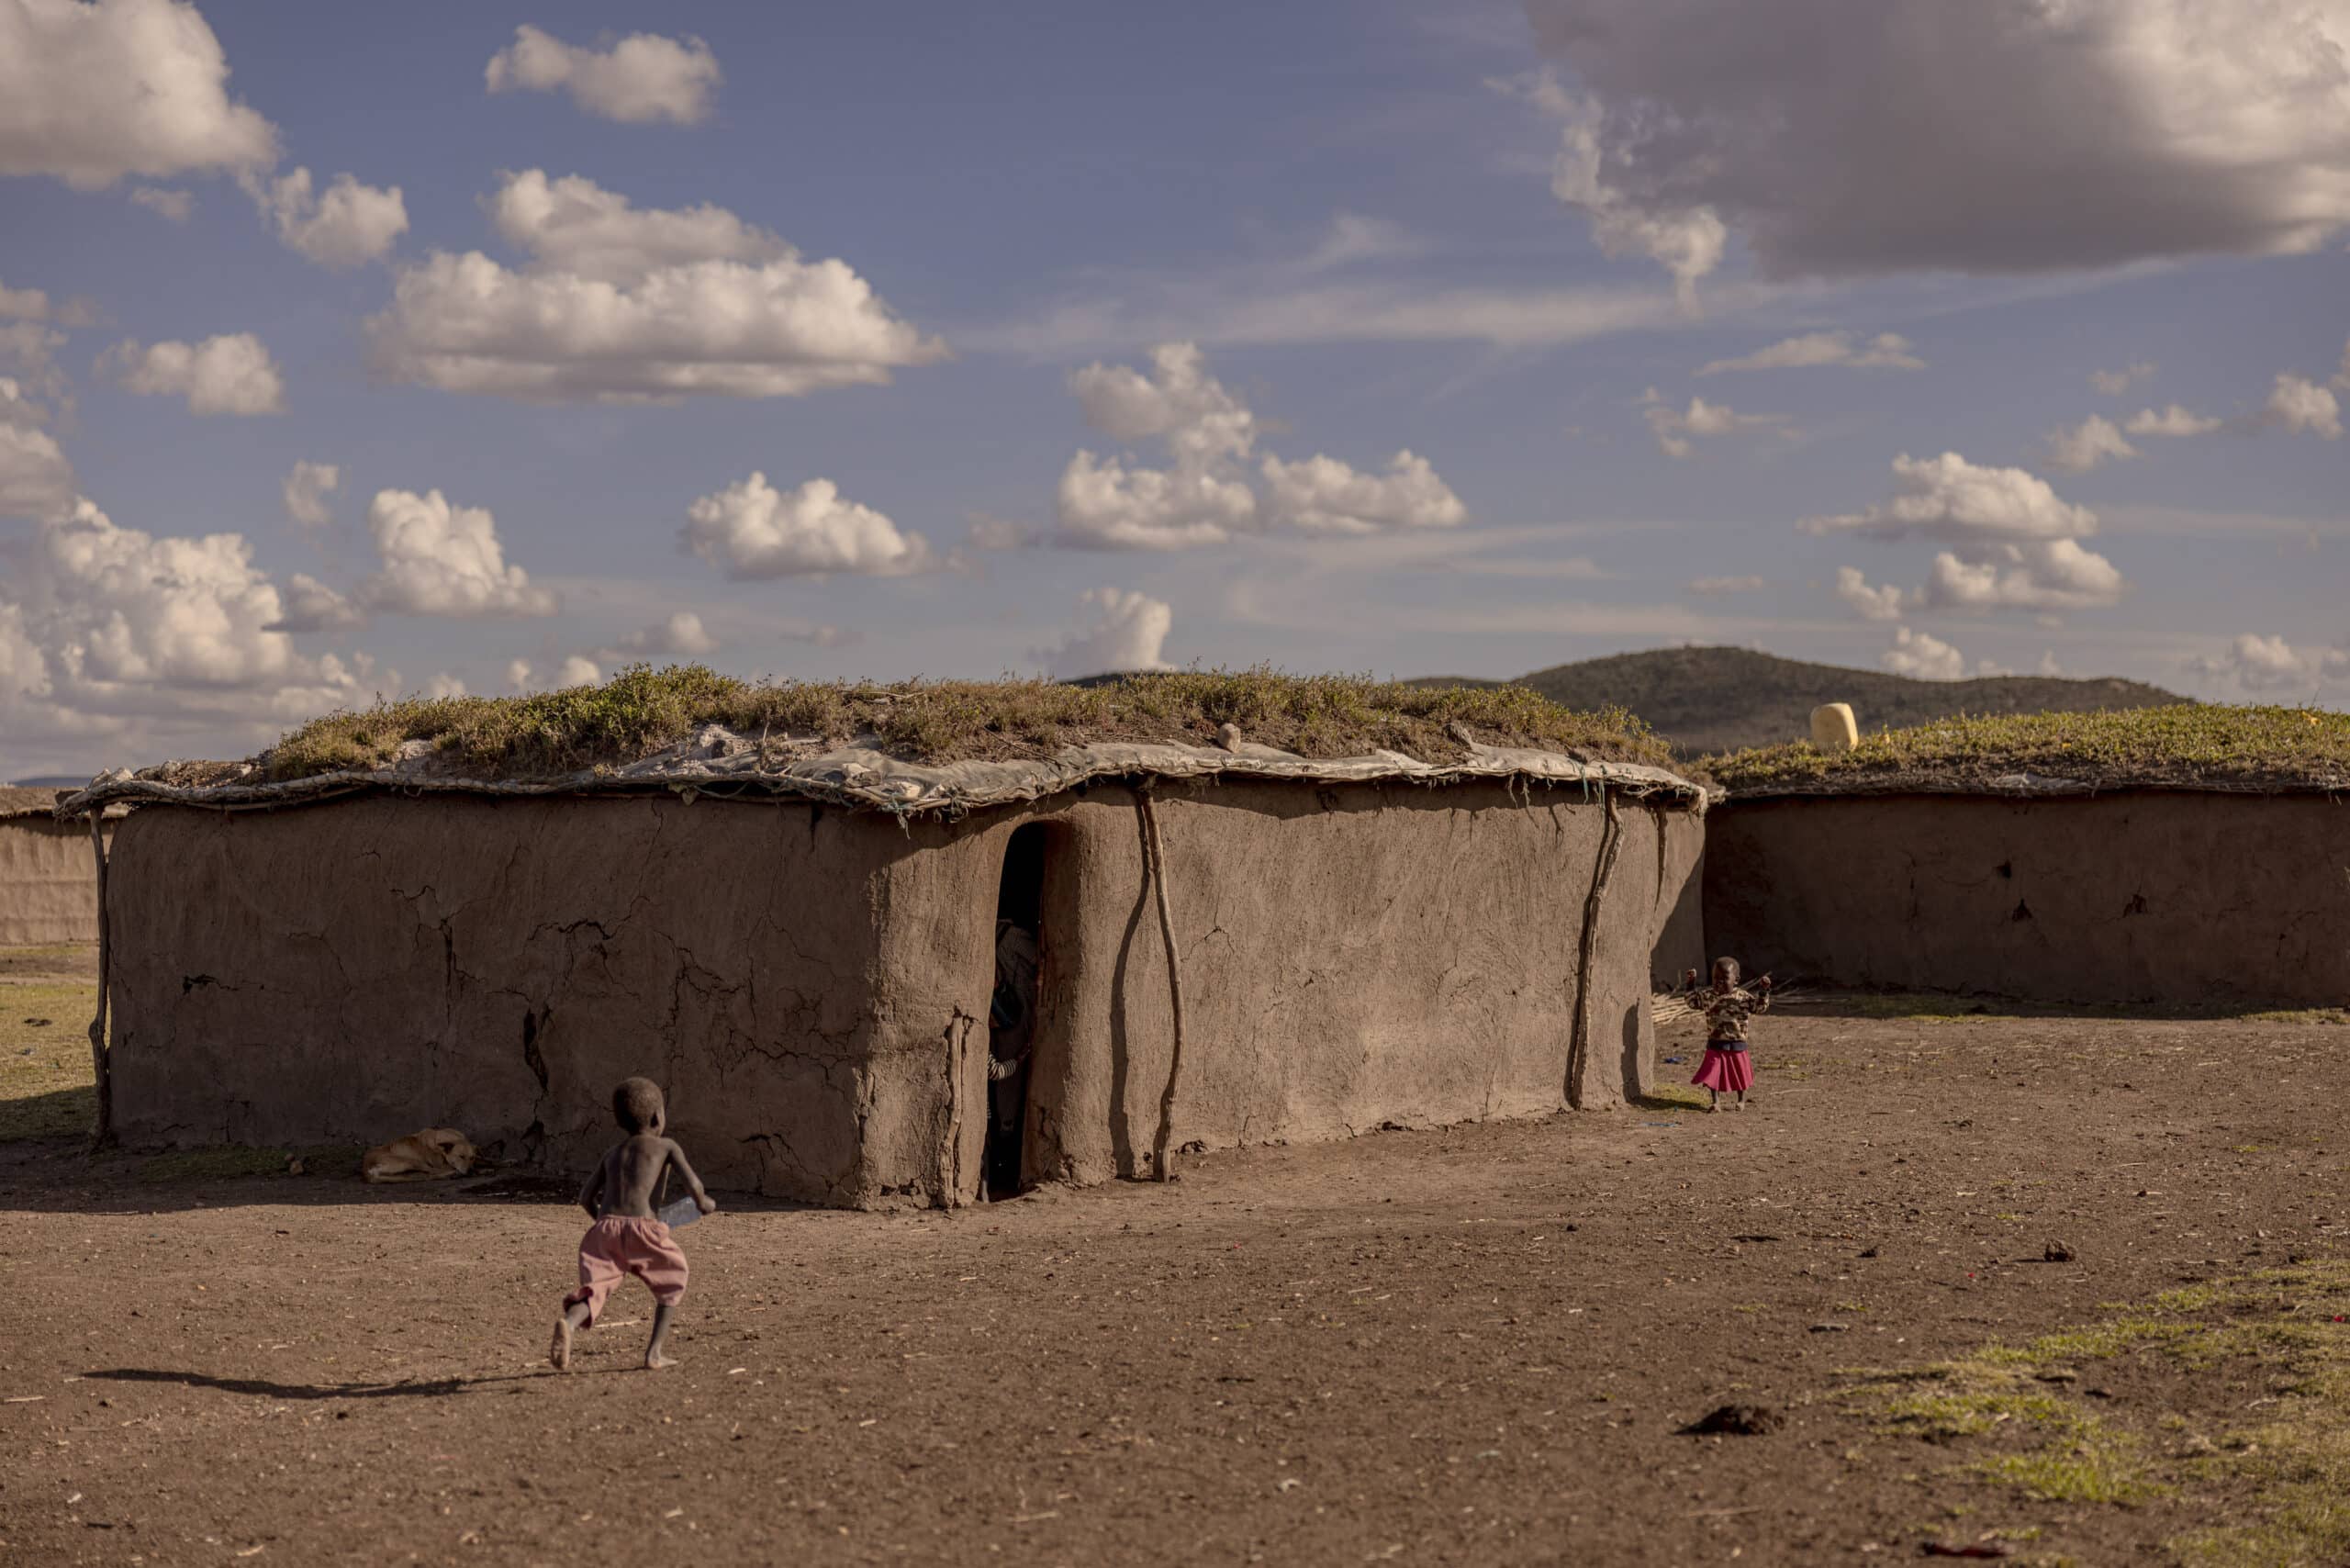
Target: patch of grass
<point>641,711</point>
<point>48,1088</point>
<point>2188,744</point>
<point>1675,1097</point>
<point>1941,1414</point>
<point>2096,1466</point>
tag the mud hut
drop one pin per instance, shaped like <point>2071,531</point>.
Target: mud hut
<point>1265,910</point>
<point>47,873</point>
<point>2190,856</point>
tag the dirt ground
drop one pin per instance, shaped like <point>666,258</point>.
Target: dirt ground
<point>1474,1345</point>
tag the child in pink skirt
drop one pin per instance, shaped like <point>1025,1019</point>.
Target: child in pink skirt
<point>1727,1008</point>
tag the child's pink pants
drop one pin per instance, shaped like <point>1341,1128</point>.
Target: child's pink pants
<point>616,1247</point>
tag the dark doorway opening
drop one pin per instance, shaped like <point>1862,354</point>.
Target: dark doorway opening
<point>1012,1010</point>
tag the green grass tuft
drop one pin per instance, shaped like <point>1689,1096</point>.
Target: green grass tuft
<point>642,711</point>
<point>2190,743</point>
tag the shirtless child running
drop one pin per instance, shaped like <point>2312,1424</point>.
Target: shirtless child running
<point>628,1237</point>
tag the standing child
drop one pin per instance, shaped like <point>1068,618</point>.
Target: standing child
<point>1727,1008</point>
<point>628,1237</point>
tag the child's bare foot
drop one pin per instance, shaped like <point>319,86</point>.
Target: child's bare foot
<point>559,1348</point>
<point>655,1361</point>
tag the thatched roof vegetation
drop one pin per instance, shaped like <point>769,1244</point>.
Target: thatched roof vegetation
<point>923,745</point>
<point>2208,747</point>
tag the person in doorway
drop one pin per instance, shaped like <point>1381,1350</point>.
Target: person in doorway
<point>1011,1030</point>
<point>1730,1008</point>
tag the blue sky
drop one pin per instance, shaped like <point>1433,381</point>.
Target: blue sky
<point>1506,240</point>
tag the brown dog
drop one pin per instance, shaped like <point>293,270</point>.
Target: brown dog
<point>428,1156</point>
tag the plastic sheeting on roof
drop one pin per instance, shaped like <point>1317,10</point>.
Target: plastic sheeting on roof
<point>720,762</point>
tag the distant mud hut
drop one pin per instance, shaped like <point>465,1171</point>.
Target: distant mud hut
<point>47,873</point>
<point>793,924</point>
<point>2189,856</point>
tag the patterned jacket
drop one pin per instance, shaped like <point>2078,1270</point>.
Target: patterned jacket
<point>1728,1014</point>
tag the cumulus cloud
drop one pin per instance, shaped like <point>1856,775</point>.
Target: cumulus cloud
<point>111,632</point>
<point>680,637</point>
<point>1873,603</point>
<point>577,671</point>
<point>312,606</point>
<point>1949,499</point>
<point>1178,402</point>
<point>2056,574</point>
<point>36,479</point>
<point>754,531</point>
<point>344,226</point>
<point>2083,134</point>
<point>1715,587</point>
<point>2270,663</point>
<point>91,93</point>
<point>2113,383</point>
<point>177,206</point>
<point>306,489</point>
<point>1676,429</point>
<point>1128,633</point>
<point>445,685</point>
<point>621,304</point>
<point>1923,657</point>
<point>2173,421</point>
<point>1886,350</point>
<point>2300,407</point>
<point>2084,446</point>
<point>642,79</point>
<point>1323,494</point>
<point>444,560</point>
<point>227,375</point>
<point>1103,504</point>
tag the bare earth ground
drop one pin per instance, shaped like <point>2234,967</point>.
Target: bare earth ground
<point>1434,1347</point>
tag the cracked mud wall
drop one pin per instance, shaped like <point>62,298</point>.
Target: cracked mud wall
<point>1353,957</point>
<point>2148,897</point>
<point>1680,901</point>
<point>48,883</point>
<point>357,970</point>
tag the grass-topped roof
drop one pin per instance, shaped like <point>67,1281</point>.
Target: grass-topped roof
<point>643,711</point>
<point>2189,745</point>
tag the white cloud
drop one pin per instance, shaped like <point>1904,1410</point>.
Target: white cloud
<point>36,479</point>
<point>2087,444</point>
<point>517,674</point>
<point>1674,428</point>
<point>577,671</point>
<point>1924,657</point>
<point>345,226</point>
<point>2113,383</point>
<point>754,531</point>
<point>1873,603</point>
<point>1886,350</point>
<point>643,78</point>
<point>227,375</point>
<point>34,305</point>
<point>1103,504</point>
<point>1323,494</point>
<point>2056,574</point>
<point>624,305</point>
<point>2173,421</point>
<point>1127,633</point>
<point>28,357</point>
<point>177,206</point>
<point>2300,407</point>
<point>1999,136</point>
<point>2271,663</point>
<point>2048,665</point>
<point>1178,402</point>
<point>445,685</point>
<point>312,606</point>
<point>306,489</point>
<point>442,560</point>
<point>110,631</point>
<point>682,635</point>
<point>1714,587</point>
<point>1950,499</point>
<point>92,93</point>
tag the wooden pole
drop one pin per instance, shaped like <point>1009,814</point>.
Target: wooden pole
<point>1162,1157</point>
<point>1579,1042</point>
<point>102,1134</point>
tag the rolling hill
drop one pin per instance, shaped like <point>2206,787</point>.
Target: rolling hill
<point>1710,700</point>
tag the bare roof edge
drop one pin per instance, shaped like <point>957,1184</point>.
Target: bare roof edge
<point>720,763</point>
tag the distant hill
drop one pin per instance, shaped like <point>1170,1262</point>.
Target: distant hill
<point>1709,699</point>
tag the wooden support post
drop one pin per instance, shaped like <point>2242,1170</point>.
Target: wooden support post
<point>1163,1157</point>
<point>102,1134</point>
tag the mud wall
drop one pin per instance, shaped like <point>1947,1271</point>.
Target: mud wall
<point>358,970</point>
<point>48,882</point>
<point>2171,898</point>
<point>1681,938</point>
<point>1352,956</point>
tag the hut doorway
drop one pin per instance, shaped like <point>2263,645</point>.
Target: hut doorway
<point>1013,1009</point>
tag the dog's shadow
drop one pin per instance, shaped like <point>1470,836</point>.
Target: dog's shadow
<point>432,1388</point>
